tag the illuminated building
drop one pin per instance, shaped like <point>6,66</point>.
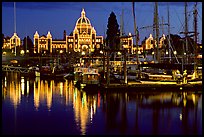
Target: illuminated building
<point>149,43</point>
<point>83,38</point>
<point>9,43</point>
<point>127,43</point>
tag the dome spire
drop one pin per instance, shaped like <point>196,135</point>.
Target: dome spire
<point>82,13</point>
<point>36,34</point>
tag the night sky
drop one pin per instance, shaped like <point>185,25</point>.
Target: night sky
<point>59,16</point>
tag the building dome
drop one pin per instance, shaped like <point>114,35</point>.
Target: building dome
<point>83,19</point>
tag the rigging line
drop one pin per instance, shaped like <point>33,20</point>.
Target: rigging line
<point>198,10</point>
<point>200,17</point>
<point>129,17</point>
<point>181,28</point>
<point>178,17</point>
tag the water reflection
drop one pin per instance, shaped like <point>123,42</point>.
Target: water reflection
<point>84,108</point>
<point>12,88</point>
<point>104,112</point>
<point>153,113</point>
<point>43,94</point>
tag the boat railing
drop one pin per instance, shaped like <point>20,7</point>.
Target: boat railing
<point>89,71</point>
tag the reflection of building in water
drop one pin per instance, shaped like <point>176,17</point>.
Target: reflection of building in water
<point>42,93</point>
<point>166,107</point>
<point>22,85</point>
<point>84,109</point>
<point>69,93</point>
<point>4,87</point>
<point>176,99</point>
<point>14,90</point>
<point>36,93</point>
<point>81,111</point>
<point>44,90</point>
<point>14,87</point>
<point>49,95</point>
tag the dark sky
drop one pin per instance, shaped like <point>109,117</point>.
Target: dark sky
<point>59,16</point>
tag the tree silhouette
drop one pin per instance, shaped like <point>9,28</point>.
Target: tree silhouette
<point>112,39</point>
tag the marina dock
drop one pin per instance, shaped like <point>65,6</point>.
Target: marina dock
<point>152,85</point>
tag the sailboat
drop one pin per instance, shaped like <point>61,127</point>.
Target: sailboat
<point>197,71</point>
<point>160,74</point>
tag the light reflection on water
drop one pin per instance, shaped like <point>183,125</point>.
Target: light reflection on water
<point>79,112</point>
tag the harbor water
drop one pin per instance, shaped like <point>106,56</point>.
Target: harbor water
<point>35,106</point>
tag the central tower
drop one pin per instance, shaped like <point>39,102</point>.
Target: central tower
<point>84,35</point>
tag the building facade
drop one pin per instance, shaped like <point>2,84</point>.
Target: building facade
<point>83,39</point>
<point>9,43</point>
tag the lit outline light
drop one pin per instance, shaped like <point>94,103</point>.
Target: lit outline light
<point>180,117</point>
<point>27,87</point>
<point>22,85</point>
<point>61,88</point>
<point>5,83</point>
<point>49,99</point>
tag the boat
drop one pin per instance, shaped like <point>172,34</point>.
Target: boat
<point>90,78</point>
<point>86,78</point>
<point>34,71</point>
<point>77,75</point>
<point>52,72</point>
<point>69,75</point>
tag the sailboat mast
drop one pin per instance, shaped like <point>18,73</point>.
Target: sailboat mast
<point>15,25</point>
<point>14,17</point>
<point>122,23</point>
<point>162,25</point>
<point>195,27</point>
<point>136,38</point>
<point>169,33</point>
<point>186,32</point>
<point>121,28</point>
<point>195,22</point>
<point>156,26</point>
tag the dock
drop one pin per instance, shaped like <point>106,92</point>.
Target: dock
<point>153,85</point>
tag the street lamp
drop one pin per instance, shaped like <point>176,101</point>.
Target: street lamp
<point>153,54</point>
<point>4,53</point>
<point>83,53</point>
<point>175,52</point>
<point>22,52</point>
